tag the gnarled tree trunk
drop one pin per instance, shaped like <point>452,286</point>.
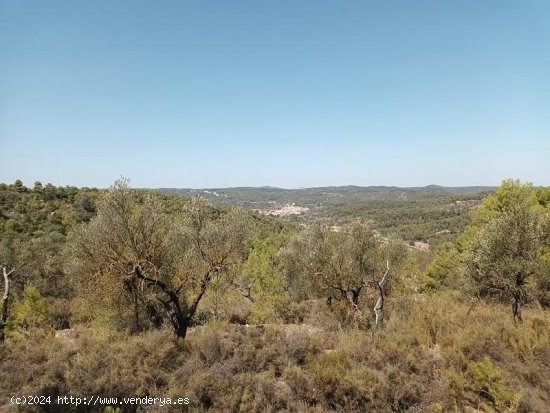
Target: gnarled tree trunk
<point>5,300</point>
<point>180,317</point>
<point>379,306</point>
<point>516,307</point>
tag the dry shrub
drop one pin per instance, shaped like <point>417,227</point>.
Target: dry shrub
<point>432,355</point>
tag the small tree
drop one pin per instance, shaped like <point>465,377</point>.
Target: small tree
<point>37,186</point>
<point>506,254</point>
<point>164,267</point>
<point>30,312</point>
<point>342,264</point>
<point>18,186</point>
<point>507,244</point>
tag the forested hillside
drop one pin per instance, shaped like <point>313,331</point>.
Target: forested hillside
<point>329,195</point>
<point>134,293</point>
<point>431,214</point>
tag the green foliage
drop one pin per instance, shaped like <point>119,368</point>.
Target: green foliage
<point>19,187</point>
<point>34,225</point>
<point>503,252</point>
<point>298,353</point>
<point>507,251</point>
<point>341,266</point>
<point>161,267</point>
<point>445,271</point>
<point>269,286</point>
<point>432,214</point>
<point>29,313</point>
<point>509,196</point>
<point>486,380</point>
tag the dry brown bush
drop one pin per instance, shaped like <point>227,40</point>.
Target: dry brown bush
<point>433,355</point>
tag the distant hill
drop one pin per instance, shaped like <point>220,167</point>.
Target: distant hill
<point>431,214</point>
<point>267,197</point>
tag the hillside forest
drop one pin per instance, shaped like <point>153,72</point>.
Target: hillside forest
<point>126,292</point>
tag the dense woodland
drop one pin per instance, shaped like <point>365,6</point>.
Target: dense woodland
<point>126,292</point>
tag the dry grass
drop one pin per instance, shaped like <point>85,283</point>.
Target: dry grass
<point>431,356</point>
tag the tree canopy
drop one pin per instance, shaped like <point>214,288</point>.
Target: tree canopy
<point>164,265</point>
<point>506,255</point>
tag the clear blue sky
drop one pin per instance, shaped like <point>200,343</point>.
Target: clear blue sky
<point>283,93</point>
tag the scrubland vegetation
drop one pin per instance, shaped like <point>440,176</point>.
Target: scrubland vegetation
<point>127,292</point>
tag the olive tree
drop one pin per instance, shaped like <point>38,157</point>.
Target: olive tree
<point>164,264</point>
<point>506,255</point>
<point>341,264</point>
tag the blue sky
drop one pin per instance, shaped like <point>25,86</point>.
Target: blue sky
<point>281,93</point>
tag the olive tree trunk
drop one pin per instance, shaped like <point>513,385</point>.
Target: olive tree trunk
<point>5,300</point>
